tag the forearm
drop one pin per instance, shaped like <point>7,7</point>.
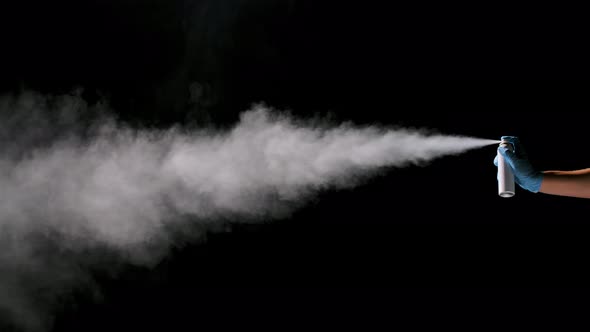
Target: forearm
<point>567,183</point>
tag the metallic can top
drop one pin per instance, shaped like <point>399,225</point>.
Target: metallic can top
<point>507,144</point>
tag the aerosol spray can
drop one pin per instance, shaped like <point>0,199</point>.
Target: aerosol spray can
<point>505,175</point>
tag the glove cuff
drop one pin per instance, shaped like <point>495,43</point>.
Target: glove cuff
<point>536,182</point>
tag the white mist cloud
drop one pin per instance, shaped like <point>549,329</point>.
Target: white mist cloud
<point>85,185</point>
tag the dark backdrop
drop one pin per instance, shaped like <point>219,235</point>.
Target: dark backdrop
<point>484,71</point>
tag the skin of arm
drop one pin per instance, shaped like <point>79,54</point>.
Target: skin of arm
<point>567,183</point>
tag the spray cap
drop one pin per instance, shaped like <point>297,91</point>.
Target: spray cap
<point>507,144</point>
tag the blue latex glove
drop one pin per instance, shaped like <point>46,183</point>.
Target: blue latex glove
<point>525,175</point>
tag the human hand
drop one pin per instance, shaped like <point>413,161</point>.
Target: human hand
<point>525,175</point>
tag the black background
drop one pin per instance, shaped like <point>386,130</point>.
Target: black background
<point>404,242</point>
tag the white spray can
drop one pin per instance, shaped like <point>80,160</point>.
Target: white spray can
<point>506,187</point>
